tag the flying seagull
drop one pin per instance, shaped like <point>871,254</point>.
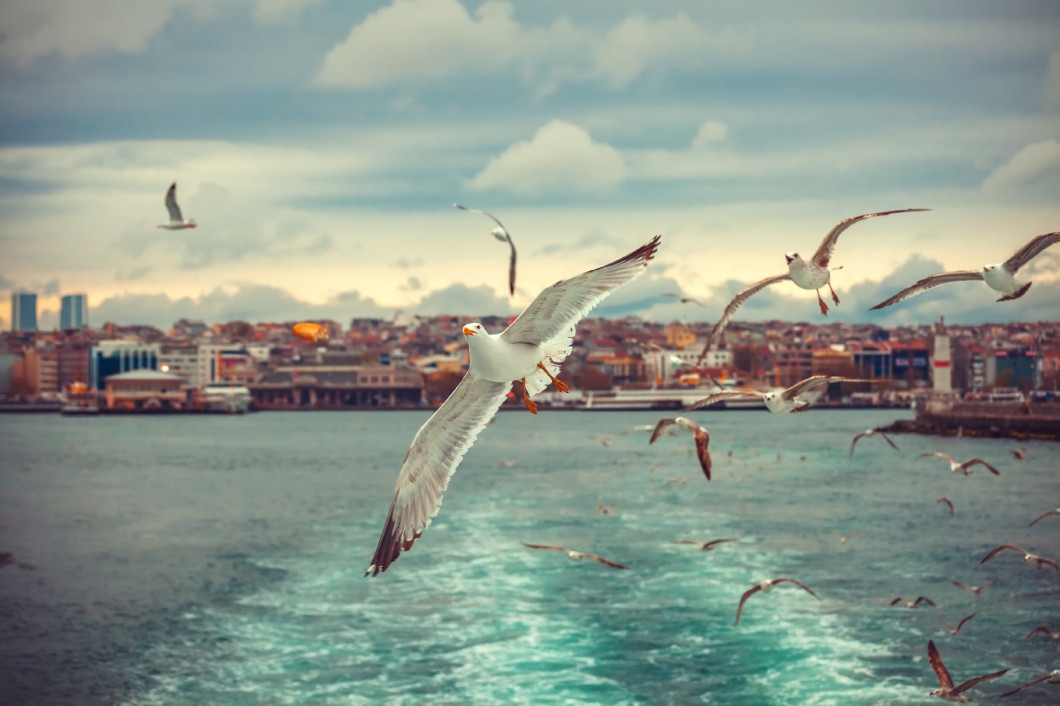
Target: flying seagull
<point>947,691</point>
<point>948,503</point>
<point>871,432</point>
<point>956,630</point>
<point>699,435</point>
<point>705,546</point>
<point>977,590</point>
<point>808,274</point>
<point>965,467</point>
<point>531,350</point>
<point>797,398</point>
<point>1052,677</point>
<point>1019,454</point>
<point>682,298</point>
<point>1042,630</point>
<point>500,233</point>
<point>1001,277</point>
<point>765,587</point>
<point>914,604</point>
<point>176,220</point>
<point>576,556</point>
<point>1033,560</point>
<point>1044,515</point>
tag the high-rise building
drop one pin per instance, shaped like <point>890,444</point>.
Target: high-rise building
<point>23,311</point>
<point>74,313</point>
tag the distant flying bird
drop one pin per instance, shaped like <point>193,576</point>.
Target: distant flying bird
<point>965,467</point>
<point>765,587</point>
<point>176,220</point>
<point>1033,560</point>
<point>699,435</point>
<point>683,299</point>
<point>501,234</point>
<point>844,538</point>
<point>1019,454</point>
<point>576,556</point>
<point>914,604</point>
<point>705,546</point>
<point>530,350</point>
<point>605,509</point>
<point>808,274</point>
<point>948,503</point>
<point>1044,515</point>
<point>1001,277</point>
<point>797,398</point>
<point>947,691</point>
<point>977,590</point>
<point>956,630</point>
<point>1052,677</point>
<point>871,432</point>
<point>1042,630</point>
<point>310,332</point>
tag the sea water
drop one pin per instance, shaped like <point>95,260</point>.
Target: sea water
<point>220,560</point>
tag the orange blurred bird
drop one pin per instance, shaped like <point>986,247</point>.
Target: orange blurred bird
<point>310,332</point>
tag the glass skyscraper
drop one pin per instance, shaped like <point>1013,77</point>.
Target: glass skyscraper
<point>74,313</point>
<point>23,311</point>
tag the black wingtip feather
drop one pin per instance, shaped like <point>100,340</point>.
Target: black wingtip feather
<point>389,548</point>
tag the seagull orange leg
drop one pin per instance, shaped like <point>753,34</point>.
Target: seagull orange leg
<point>560,385</point>
<point>824,307</point>
<point>835,297</point>
<point>530,404</point>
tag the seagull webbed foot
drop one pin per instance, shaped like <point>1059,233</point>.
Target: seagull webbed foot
<point>824,307</point>
<point>530,404</point>
<point>835,297</point>
<point>560,385</point>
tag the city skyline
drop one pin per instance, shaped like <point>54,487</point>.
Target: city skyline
<point>322,176</point>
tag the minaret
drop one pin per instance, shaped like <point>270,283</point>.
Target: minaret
<point>941,374</point>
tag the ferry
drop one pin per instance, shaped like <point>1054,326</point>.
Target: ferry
<point>79,399</point>
<point>662,399</point>
<point>230,399</point>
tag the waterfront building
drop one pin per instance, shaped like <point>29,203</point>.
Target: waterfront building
<point>145,390</point>
<point>228,362</point>
<point>310,386</point>
<point>74,311</point>
<point>23,311</point>
<point>112,357</point>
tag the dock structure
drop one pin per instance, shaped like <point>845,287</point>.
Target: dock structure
<point>1026,420</point>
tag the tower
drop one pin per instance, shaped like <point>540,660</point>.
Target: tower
<point>23,311</point>
<point>74,312</point>
<point>941,372</point>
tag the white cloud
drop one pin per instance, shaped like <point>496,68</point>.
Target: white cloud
<point>709,133</point>
<point>74,28</point>
<point>1037,165</point>
<point>638,42</point>
<point>560,156</point>
<point>422,39</point>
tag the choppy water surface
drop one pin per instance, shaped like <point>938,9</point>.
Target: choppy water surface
<point>220,560</point>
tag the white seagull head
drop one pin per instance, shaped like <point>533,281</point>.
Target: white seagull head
<point>792,257</point>
<point>473,328</point>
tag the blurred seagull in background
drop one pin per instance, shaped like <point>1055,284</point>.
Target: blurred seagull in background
<point>965,467</point>
<point>914,604</point>
<point>1042,630</point>
<point>871,432</point>
<point>683,299</point>
<point>1019,454</point>
<point>176,220</point>
<point>501,234</point>
<point>699,435</point>
<point>1001,277</point>
<point>530,350</point>
<point>948,503</point>
<point>956,630</point>
<point>576,556</point>
<point>1052,677</point>
<point>704,546</point>
<point>977,590</point>
<point>947,691</point>
<point>808,274</point>
<point>765,587</point>
<point>1044,515</point>
<point>797,398</point>
<point>1033,560</point>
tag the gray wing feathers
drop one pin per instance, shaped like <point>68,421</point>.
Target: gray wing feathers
<point>929,282</point>
<point>171,205</point>
<point>824,253</point>
<point>435,453</point>
<point>1029,251</point>
<point>562,305</point>
<point>739,299</point>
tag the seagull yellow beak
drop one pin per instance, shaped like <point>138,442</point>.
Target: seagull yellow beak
<point>469,331</point>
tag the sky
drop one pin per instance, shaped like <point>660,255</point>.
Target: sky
<point>320,146</point>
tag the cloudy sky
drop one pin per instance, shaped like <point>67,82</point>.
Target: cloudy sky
<point>320,145</point>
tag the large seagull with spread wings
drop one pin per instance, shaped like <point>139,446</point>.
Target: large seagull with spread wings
<point>529,350</point>
<point>808,274</point>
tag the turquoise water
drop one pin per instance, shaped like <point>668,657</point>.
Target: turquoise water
<point>220,560</point>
